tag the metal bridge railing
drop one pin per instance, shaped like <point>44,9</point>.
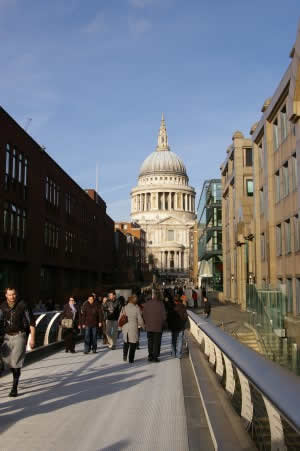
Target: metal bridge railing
<point>48,330</point>
<point>264,394</point>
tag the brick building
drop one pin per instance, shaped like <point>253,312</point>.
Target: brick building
<point>55,238</point>
<point>135,249</point>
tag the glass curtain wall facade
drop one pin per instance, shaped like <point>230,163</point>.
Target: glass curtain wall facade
<point>209,218</point>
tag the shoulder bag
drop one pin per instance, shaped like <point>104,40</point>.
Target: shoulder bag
<point>67,323</point>
<point>123,319</point>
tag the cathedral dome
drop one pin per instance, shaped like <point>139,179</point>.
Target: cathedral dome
<point>162,161</point>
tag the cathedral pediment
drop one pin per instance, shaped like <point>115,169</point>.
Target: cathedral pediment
<point>171,221</point>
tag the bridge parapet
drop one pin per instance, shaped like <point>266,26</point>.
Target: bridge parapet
<point>48,330</point>
<point>265,395</point>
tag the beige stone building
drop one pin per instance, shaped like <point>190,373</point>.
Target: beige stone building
<point>276,141</point>
<point>163,204</point>
<point>237,211</point>
<point>261,233</point>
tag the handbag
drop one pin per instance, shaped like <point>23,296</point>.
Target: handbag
<point>67,323</point>
<point>123,319</point>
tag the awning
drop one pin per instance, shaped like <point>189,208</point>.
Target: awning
<point>205,269</point>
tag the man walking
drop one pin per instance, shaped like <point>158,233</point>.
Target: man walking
<point>91,319</point>
<point>16,321</point>
<point>112,308</point>
<point>177,319</point>
<point>207,307</point>
<point>154,315</point>
<point>195,298</point>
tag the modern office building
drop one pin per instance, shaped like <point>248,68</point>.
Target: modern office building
<point>55,238</point>
<point>209,222</point>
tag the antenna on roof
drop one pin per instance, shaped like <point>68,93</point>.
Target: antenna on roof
<point>97,178</point>
<point>27,123</point>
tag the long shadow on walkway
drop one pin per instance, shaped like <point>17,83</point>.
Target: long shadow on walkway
<point>74,387</point>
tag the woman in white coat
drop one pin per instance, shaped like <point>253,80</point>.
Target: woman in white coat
<point>130,329</point>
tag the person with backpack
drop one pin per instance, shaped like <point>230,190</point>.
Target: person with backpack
<point>16,322</point>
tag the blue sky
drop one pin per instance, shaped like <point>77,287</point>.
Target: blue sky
<point>95,75</point>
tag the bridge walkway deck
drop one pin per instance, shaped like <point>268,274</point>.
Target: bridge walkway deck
<point>96,402</point>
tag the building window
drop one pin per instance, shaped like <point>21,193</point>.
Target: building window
<point>14,227</point>
<point>262,246</point>
<point>249,187</point>
<point>288,246</point>
<point>278,240</point>
<point>69,239</point>
<point>261,200</point>
<point>297,233</point>
<point>297,296</point>
<point>277,186</point>
<point>294,172</point>
<point>285,176</point>
<point>47,189</point>
<point>260,155</point>
<point>289,294</point>
<point>14,164</point>
<point>248,157</point>
<point>6,218</point>
<point>52,192</point>
<point>275,134</point>
<point>170,235</point>
<point>283,124</point>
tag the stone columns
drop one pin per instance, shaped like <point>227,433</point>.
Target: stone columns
<point>166,260</point>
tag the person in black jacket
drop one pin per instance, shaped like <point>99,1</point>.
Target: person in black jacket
<point>71,312</point>
<point>91,319</point>
<point>16,322</point>
<point>112,309</point>
<point>207,307</point>
<point>177,319</point>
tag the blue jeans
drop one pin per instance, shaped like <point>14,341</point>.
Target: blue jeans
<point>177,342</point>
<point>90,339</point>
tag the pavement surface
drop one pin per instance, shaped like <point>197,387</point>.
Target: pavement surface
<point>96,402</point>
<point>229,316</point>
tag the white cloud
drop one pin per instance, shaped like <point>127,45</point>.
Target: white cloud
<point>139,26</point>
<point>98,24</point>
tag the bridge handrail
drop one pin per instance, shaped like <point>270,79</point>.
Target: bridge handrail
<point>278,385</point>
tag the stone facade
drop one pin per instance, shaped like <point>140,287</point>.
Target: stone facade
<point>237,213</point>
<point>163,204</point>
<point>276,226</point>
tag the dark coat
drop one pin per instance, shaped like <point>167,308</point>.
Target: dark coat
<point>154,315</point>
<point>112,309</point>
<point>68,314</point>
<point>177,317</point>
<point>91,314</point>
<point>207,308</point>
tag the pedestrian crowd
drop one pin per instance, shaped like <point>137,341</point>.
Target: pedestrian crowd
<point>99,317</point>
